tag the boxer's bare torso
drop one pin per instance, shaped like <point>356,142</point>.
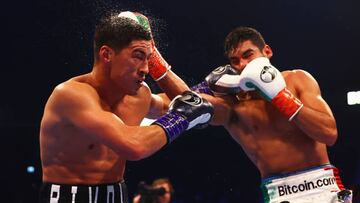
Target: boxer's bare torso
<point>72,155</point>
<point>273,144</point>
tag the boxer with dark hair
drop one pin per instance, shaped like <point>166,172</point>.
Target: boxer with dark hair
<point>90,125</point>
<point>279,118</point>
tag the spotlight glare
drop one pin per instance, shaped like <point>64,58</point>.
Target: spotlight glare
<point>30,169</point>
<point>353,97</point>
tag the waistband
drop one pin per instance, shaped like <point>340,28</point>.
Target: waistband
<point>284,175</point>
<point>322,179</point>
<point>85,185</point>
<point>59,193</point>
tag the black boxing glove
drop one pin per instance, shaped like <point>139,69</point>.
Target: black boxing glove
<point>186,111</point>
<point>224,80</point>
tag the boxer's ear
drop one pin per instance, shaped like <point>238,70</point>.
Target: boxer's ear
<point>106,53</point>
<point>267,51</point>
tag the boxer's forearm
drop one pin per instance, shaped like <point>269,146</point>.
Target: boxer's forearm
<point>172,85</point>
<point>142,142</point>
<point>319,126</point>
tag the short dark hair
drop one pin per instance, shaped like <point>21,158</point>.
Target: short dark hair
<point>117,32</point>
<point>241,34</point>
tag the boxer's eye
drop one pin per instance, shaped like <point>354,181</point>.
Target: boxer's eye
<point>247,55</point>
<point>139,55</point>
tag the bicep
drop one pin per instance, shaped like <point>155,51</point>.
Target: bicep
<point>131,142</point>
<point>86,116</point>
<point>104,126</point>
<point>309,93</point>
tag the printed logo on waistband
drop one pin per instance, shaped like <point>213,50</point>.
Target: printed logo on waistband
<point>306,186</point>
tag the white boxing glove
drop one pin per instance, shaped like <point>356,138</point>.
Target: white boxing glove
<point>260,75</point>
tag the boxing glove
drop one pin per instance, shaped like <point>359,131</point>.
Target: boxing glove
<point>138,17</point>
<point>186,111</point>
<point>223,80</point>
<point>259,74</point>
<point>158,66</point>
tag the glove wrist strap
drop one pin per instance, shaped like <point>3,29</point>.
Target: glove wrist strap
<point>173,124</point>
<point>158,67</point>
<point>287,103</point>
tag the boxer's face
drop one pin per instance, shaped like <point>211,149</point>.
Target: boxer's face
<point>130,65</point>
<point>246,52</point>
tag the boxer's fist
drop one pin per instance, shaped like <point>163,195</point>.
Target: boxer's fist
<point>224,80</point>
<point>158,66</point>
<point>186,111</point>
<point>259,74</point>
<point>138,17</point>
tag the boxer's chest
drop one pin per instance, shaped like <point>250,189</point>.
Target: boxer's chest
<point>256,115</point>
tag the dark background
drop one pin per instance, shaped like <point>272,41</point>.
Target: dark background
<point>45,42</point>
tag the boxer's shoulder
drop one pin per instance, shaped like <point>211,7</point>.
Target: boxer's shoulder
<point>297,77</point>
<point>296,73</point>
